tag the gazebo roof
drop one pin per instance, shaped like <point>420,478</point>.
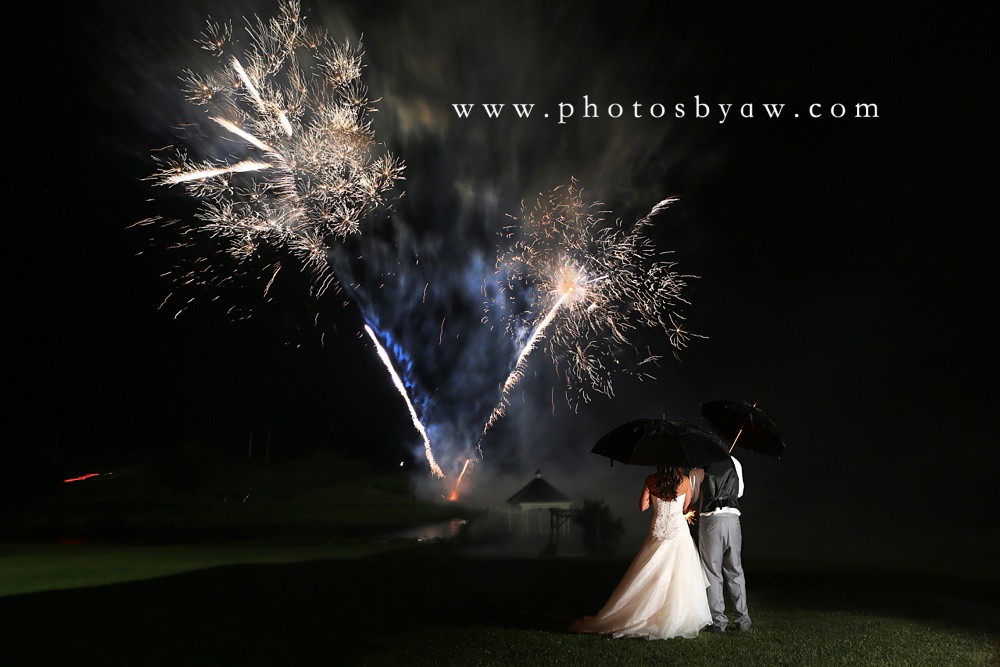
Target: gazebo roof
<point>538,492</point>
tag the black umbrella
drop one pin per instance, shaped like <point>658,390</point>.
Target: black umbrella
<point>662,442</point>
<point>744,425</point>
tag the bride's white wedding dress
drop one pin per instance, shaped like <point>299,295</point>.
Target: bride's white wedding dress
<point>662,594</point>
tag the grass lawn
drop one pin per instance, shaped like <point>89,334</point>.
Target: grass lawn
<point>124,572</point>
<point>430,604</point>
<point>30,568</point>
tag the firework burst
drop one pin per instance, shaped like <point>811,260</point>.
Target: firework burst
<point>299,169</point>
<point>588,284</point>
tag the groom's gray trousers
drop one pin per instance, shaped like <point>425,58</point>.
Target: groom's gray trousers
<point>720,542</point>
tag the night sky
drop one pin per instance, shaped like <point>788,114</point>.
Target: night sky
<point>844,277</point>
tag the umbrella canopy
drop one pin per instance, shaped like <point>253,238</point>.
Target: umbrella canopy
<point>662,442</point>
<point>745,424</point>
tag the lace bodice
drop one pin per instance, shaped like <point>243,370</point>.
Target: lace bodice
<point>668,517</point>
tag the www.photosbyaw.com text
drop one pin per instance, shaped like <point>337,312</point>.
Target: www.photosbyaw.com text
<point>719,112</point>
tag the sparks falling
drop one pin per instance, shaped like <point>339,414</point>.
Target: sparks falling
<point>589,283</point>
<point>292,107</point>
<point>401,388</point>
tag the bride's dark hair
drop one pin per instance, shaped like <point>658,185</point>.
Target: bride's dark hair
<point>667,481</point>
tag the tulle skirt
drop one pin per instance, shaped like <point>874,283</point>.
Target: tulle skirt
<point>662,594</point>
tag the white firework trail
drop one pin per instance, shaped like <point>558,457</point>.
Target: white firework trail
<point>518,372</point>
<point>401,388</point>
<point>200,174</point>
<point>246,136</point>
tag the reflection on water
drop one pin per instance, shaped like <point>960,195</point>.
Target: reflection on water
<point>441,530</point>
<point>424,532</point>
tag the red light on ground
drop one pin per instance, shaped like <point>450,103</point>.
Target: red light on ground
<point>81,477</point>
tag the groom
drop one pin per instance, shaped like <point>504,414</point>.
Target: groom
<point>720,541</point>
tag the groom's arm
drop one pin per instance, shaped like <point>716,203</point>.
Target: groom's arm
<point>694,479</point>
<point>739,475</point>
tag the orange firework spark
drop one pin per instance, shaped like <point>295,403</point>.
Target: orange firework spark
<point>454,492</point>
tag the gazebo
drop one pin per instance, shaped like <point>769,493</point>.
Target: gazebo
<point>528,507</point>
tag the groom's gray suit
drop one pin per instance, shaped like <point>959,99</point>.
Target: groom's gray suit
<point>720,541</point>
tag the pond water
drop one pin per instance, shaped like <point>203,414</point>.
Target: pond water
<point>423,532</point>
<point>439,530</point>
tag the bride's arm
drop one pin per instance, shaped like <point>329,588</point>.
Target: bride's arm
<point>644,499</point>
<point>685,488</point>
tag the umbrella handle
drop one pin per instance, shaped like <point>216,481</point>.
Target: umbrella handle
<point>734,441</point>
<point>738,435</point>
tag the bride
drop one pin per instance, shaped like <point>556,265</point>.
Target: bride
<point>663,592</point>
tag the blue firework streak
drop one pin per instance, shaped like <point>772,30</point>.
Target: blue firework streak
<point>402,388</point>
